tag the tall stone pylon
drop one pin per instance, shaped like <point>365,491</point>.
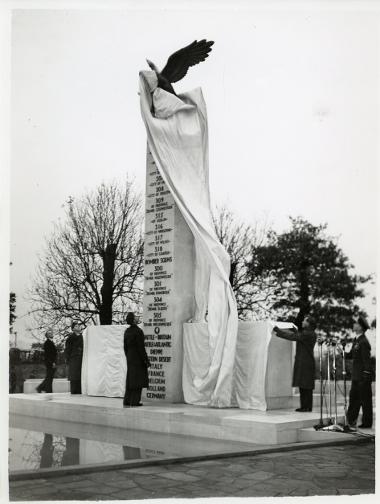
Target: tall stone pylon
<point>168,299</point>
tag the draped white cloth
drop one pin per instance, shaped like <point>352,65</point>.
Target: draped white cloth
<point>250,386</point>
<point>104,366</point>
<point>252,361</point>
<point>178,140</point>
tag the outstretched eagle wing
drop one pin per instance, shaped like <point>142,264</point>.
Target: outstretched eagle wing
<point>179,62</point>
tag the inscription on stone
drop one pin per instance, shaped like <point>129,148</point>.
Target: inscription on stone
<point>158,279</point>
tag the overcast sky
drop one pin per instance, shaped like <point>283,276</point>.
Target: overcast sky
<point>292,99</point>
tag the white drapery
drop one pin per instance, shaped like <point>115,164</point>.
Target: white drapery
<point>252,361</point>
<point>104,366</point>
<point>178,140</point>
<point>250,367</point>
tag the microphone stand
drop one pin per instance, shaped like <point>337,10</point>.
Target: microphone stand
<point>329,380</point>
<point>335,426</point>
<point>329,420</point>
<point>344,373</point>
<point>320,425</point>
<point>334,373</point>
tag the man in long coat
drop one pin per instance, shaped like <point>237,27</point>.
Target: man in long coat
<point>137,363</point>
<point>361,384</point>
<point>304,363</point>
<point>73,356</point>
<point>50,357</point>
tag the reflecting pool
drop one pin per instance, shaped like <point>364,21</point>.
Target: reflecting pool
<point>37,443</point>
<point>30,450</point>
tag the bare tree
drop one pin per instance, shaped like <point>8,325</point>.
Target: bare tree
<point>92,266</point>
<point>254,297</point>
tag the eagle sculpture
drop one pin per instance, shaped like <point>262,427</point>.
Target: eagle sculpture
<point>179,62</point>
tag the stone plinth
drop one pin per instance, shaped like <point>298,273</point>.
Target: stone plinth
<point>168,287</point>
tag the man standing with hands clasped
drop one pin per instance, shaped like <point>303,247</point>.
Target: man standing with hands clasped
<point>137,363</point>
<point>304,364</point>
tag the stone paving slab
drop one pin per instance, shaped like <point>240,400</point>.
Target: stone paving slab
<point>318,471</point>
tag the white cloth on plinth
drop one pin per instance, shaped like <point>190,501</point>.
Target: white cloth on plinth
<point>251,363</point>
<point>250,367</point>
<point>178,142</point>
<point>104,366</point>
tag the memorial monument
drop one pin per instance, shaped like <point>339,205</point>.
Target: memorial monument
<point>199,352</point>
<point>190,313</point>
<point>178,158</point>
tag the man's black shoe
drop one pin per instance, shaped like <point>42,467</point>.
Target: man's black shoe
<point>364,426</point>
<point>301,409</point>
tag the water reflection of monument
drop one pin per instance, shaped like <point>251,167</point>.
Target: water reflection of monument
<point>78,451</point>
<point>71,453</point>
<point>199,351</point>
<point>131,452</point>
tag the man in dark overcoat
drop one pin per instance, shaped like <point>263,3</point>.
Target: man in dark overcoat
<point>304,363</point>
<point>73,356</point>
<point>47,451</point>
<point>50,357</point>
<point>361,389</point>
<point>137,363</point>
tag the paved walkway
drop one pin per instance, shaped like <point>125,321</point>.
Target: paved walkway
<point>335,470</point>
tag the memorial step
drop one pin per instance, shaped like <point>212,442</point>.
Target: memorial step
<point>230,424</point>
